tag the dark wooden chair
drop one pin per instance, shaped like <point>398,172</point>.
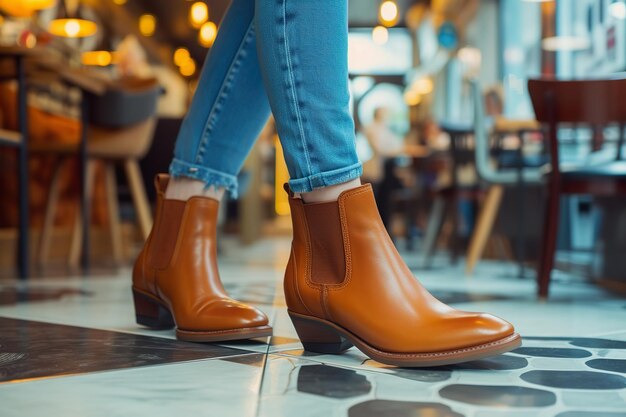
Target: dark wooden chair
<point>596,103</point>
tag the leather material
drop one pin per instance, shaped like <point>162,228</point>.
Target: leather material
<point>326,268</point>
<point>378,299</point>
<point>178,266</point>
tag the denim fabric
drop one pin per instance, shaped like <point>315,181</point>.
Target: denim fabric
<point>293,53</point>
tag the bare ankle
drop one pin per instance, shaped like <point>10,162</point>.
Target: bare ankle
<point>183,188</point>
<point>330,193</point>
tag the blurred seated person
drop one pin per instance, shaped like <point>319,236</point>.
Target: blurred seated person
<point>386,146</point>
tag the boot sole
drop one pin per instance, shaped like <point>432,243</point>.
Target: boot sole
<point>153,313</point>
<point>322,336</point>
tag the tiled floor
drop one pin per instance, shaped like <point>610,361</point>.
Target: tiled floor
<point>71,347</point>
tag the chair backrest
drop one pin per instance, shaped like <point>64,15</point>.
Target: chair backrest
<point>125,103</point>
<point>599,102</point>
<point>483,152</point>
<point>594,101</point>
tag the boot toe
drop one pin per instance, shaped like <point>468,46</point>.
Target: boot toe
<point>227,314</point>
<point>481,328</point>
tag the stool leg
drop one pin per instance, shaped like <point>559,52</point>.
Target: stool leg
<point>45,239</point>
<point>140,199</point>
<point>115,227</point>
<point>486,218</point>
<point>77,234</point>
<point>435,221</point>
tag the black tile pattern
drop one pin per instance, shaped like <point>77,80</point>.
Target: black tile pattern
<point>613,365</point>
<point>31,349</point>
<point>498,395</point>
<point>575,379</point>
<point>546,352</point>
<point>333,382</point>
<point>423,375</point>
<point>598,343</point>
<point>377,408</point>
<point>253,359</point>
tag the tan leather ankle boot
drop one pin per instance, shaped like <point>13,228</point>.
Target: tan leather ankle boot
<point>347,285</point>
<point>175,279</point>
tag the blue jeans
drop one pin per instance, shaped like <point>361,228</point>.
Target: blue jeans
<point>287,55</point>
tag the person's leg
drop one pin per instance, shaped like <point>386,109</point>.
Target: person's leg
<point>345,282</point>
<point>175,279</point>
<point>303,52</point>
<point>226,115</point>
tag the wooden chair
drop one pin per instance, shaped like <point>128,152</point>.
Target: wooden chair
<point>498,177</point>
<point>122,122</point>
<point>593,102</point>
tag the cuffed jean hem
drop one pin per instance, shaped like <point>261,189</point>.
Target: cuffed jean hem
<point>324,179</point>
<point>208,176</point>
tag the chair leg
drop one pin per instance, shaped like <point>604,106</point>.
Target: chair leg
<point>435,221</point>
<point>140,199</point>
<point>455,241</point>
<point>77,233</point>
<point>43,249</point>
<point>115,228</point>
<point>551,224</point>
<point>486,218</point>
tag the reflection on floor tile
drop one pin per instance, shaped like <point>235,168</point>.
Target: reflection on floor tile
<point>375,408</point>
<point>499,396</point>
<point>572,362</point>
<point>200,388</point>
<point>31,349</point>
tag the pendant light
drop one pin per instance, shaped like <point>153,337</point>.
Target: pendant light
<point>72,26</point>
<point>24,8</point>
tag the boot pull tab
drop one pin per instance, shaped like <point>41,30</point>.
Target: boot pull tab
<point>288,190</point>
<point>160,182</point>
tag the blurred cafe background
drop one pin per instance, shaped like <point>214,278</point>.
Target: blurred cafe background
<point>461,154</point>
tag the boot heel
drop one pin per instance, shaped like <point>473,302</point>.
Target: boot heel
<point>151,313</point>
<point>318,337</point>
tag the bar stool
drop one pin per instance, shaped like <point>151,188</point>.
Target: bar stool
<point>121,127</point>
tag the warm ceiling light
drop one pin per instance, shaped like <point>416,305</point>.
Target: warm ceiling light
<point>198,14</point>
<point>412,98</point>
<point>422,86</point>
<point>565,43</point>
<point>24,8</point>
<point>207,34</point>
<point>119,2</point>
<point>180,56</point>
<point>388,13</point>
<point>618,9</point>
<point>147,24</point>
<point>188,68</point>
<point>72,28</point>
<point>380,35</point>
<point>97,58</point>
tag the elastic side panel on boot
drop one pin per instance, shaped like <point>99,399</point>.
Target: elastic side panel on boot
<point>165,233</point>
<point>327,255</point>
